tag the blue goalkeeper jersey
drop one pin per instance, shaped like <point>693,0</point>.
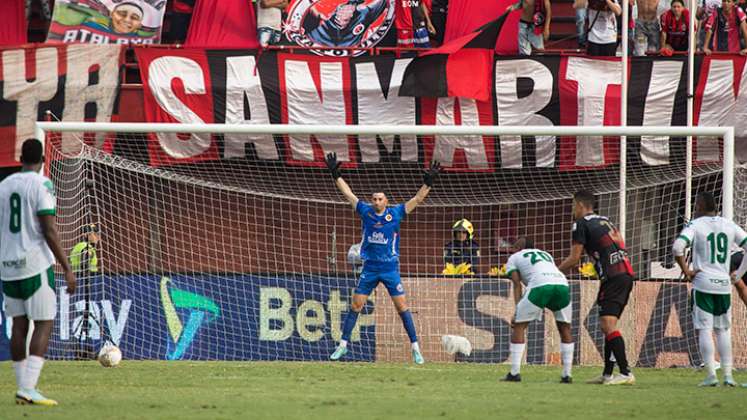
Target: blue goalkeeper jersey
<point>380,246</point>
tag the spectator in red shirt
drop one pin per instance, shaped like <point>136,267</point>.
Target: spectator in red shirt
<point>675,28</point>
<point>413,24</point>
<point>724,27</point>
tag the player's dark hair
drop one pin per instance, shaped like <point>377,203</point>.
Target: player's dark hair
<point>707,201</point>
<point>32,152</point>
<point>586,198</point>
<point>678,1</point>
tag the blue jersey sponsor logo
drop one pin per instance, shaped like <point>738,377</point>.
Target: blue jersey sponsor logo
<point>380,233</point>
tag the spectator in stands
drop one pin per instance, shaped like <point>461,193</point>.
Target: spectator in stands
<point>413,24</point>
<point>647,29</point>
<point>46,9</point>
<point>742,4</point>
<point>269,18</point>
<point>439,10</point>
<point>462,249</point>
<point>724,27</point>
<point>534,24</point>
<point>705,9</point>
<point>180,18</point>
<point>675,28</point>
<point>580,6</point>
<point>602,34</point>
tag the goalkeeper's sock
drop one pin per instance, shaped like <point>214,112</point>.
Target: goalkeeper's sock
<point>723,343</point>
<point>19,367</point>
<point>566,356</point>
<point>409,325</point>
<point>617,346</point>
<point>609,364</point>
<point>516,351</point>
<point>416,347</point>
<point>31,374</point>
<point>347,327</point>
<point>705,342</point>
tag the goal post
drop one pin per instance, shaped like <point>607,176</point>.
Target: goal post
<point>239,257</point>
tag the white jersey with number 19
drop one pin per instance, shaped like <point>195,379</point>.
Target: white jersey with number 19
<point>23,249</point>
<point>711,239</point>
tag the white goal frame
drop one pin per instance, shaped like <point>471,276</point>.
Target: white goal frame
<point>688,132</point>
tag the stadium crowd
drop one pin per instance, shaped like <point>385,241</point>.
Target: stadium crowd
<point>655,26</point>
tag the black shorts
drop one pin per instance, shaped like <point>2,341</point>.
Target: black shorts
<point>601,50</point>
<point>613,295</point>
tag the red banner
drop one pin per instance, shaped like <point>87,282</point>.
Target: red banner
<point>74,83</point>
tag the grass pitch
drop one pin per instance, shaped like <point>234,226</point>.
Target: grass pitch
<point>280,390</point>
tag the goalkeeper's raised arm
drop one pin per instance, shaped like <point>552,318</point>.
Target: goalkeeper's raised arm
<point>333,165</point>
<point>430,176</point>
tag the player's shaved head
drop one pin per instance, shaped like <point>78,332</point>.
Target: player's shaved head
<point>523,243</point>
<point>705,202</point>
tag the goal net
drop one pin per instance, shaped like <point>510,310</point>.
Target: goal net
<point>237,246</point>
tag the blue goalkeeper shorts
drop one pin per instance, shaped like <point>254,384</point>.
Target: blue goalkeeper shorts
<point>370,279</point>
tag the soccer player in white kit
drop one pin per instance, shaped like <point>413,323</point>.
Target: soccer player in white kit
<point>546,287</point>
<point>29,244</point>
<point>711,238</point>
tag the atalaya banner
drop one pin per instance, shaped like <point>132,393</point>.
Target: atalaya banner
<point>107,21</point>
<point>238,87</point>
<point>74,82</point>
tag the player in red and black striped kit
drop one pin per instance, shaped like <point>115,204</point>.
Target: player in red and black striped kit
<point>413,24</point>
<point>604,243</point>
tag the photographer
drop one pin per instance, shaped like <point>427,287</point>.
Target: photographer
<point>602,24</point>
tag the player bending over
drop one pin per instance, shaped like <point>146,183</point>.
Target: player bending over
<point>380,252</point>
<point>711,238</point>
<point>546,288</point>
<point>29,245</point>
<point>604,243</point>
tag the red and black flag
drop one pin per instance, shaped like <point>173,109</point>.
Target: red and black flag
<point>461,67</point>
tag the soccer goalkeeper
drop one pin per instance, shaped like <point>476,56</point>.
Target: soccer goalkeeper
<point>380,252</point>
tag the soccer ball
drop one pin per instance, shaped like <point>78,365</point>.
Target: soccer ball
<point>109,355</point>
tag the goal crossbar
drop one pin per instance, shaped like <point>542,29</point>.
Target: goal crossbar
<point>727,133</point>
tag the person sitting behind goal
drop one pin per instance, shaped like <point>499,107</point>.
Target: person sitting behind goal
<point>462,250</point>
<point>83,258</point>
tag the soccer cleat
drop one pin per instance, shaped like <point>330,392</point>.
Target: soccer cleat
<point>729,382</point>
<point>511,378</point>
<point>621,379</point>
<point>566,380</point>
<point>25,396</point>
<point>417,357</point>
<point>599,380</point>
<point>339,352</point>
<point>709,381</point>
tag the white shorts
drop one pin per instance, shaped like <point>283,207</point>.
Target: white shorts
<point>704,305</point>
<point>40,306</point>
<point>549,296</point>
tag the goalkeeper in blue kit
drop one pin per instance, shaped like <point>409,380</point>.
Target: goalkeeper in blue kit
<point>380,252</point>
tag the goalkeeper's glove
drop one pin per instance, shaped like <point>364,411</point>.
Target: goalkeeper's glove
<point>333,165</point>
<point>431,174</point>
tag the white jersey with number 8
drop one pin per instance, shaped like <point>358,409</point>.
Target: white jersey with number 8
<point>711,239</point>
<point>23,249</point>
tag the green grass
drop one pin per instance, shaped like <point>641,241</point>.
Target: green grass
<point>279,390</point>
